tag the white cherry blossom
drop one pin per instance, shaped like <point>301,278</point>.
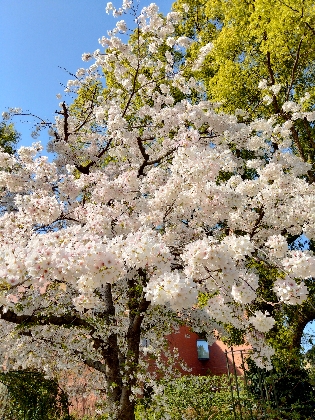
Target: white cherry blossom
<point>146,208</point>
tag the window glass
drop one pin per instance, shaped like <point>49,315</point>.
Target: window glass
<point>145,342</point>
<point>202,350</point>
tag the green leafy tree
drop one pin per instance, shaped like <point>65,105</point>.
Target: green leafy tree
<point>255,40</point>
<point>33,397</point>
<point>8,137</point>
<point>260,58</point>
<point>8,140</point>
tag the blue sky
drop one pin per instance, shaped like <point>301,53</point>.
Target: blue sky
<point>36,37</point>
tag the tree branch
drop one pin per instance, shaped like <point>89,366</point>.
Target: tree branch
<point>310,28</point>
<point>272,79</point>
<point>257,223</point>
<point>86,169</point>
<point>148,162</point>
<point>62,320</point>
<point>294,68</point>
<point>65,121</point>
<point>134,81</point>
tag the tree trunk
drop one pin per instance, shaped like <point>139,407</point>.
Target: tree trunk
<point>127,407</point>
<point>111,355</point>
<point>137,306</point>
<point>121,372</point>
<point>303,315</point>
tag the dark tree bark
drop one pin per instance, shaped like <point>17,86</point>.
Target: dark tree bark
<point>120,371</point>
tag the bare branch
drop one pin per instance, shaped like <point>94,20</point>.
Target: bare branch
<point>148,162</point>
<point>65,121</point>
<point>57,320</point>
<point>261,214</point>
<point>272,79</point>
<point>294,68</point>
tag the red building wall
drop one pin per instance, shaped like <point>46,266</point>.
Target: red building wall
<point>186,343</point>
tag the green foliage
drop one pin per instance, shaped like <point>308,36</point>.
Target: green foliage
<point>88,93</point>
<point>244,34</point>
<point>32,397</point>
<point>254,40</point>
<point>209,397</point>
<point>309,363</point>
<point>285,389</point>
<point>189,397</point>
<point>8,137</point>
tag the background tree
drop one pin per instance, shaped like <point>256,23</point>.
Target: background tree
<point>8,141</point>
<point>252,41</point>
<point>260,59</point>
<point>8,137</point>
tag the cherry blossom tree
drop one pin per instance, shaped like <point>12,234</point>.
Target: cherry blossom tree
<point>151,216</point>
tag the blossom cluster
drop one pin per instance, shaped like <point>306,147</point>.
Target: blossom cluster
<point>289,291</point>
<point>148,188</point>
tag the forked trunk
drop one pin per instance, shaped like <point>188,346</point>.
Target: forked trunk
<point>121,372</point>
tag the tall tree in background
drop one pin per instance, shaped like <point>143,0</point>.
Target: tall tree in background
<point>8,142</point>
<point>258,61</point>
<point>253,41</point>
<point>8,137</point>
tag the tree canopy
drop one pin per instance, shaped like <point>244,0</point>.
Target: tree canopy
<point>8,137</point>
<point>252,41</point>
<point>157,211</point>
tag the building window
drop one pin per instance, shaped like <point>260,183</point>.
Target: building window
<point>145,342</point>
<point>202,349</point>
